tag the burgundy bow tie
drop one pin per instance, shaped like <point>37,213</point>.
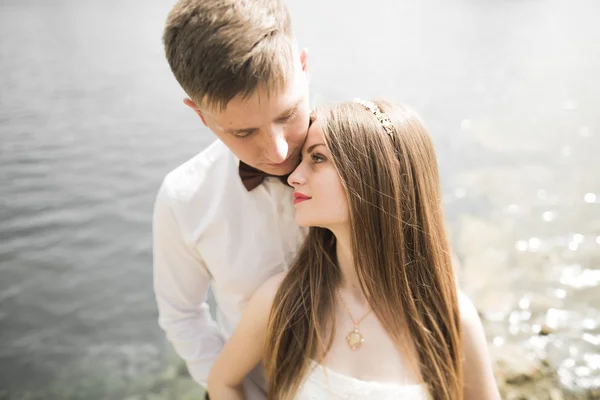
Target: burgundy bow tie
<point>252,177</point>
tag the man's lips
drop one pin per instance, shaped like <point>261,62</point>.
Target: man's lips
<point>299,197</point>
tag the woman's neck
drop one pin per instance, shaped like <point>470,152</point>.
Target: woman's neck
<point>349,282</point>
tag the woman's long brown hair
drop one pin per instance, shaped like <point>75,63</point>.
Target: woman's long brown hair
<point>400,250</point>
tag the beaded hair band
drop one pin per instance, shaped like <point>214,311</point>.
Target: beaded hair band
<point>381,116</point>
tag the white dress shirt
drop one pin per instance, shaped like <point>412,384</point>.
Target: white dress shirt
<point>208,229</point>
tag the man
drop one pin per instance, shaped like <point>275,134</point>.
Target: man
<point>225,217</point>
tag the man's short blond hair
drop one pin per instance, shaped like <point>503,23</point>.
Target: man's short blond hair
<point>219,49</point>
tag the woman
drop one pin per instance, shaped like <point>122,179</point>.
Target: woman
<point>370,309</point>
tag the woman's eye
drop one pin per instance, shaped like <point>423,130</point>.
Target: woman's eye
<point>317,158</point>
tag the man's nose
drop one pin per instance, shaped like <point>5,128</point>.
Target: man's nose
<point>276,146</point>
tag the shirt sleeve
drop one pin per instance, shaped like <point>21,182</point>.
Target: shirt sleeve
<point>181,282</point>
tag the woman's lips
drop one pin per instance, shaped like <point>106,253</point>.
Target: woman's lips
<point>299,197</point>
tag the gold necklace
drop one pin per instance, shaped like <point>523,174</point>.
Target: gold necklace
<point>355,339</point>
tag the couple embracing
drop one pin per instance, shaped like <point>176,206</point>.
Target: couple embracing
<point>321,233</point>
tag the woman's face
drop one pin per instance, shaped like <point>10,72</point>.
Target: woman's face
<point>319,197</point>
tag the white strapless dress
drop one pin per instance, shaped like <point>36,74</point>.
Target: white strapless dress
<point>325,384</point>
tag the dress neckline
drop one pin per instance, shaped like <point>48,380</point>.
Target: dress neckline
<point>354,380</point>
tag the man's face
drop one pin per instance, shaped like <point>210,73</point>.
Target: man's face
<point>266,132</point>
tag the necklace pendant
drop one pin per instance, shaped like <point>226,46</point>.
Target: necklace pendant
<point>355,339</point>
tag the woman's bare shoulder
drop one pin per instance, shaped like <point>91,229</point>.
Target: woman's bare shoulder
<point>262,300</point>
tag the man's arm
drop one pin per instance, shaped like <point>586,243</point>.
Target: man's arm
<point>181,284</point>
<point>244,349</point>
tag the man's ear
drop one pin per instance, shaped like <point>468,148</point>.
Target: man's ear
<point>192,105</point>
<point>304,60</point>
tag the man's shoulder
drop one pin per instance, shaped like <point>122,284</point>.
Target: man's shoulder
<point>200,174</point>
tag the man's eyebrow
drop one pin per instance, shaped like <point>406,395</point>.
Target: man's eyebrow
<point>283,115</point>
<point>289,110</point>
<point>238,131</point>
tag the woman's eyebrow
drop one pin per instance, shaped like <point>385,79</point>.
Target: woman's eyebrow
<point>311,148</point>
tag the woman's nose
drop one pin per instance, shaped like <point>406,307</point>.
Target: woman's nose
<point>297,177</point>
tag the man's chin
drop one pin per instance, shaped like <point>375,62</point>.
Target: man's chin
<point>278,170</point>
<point>285,168</point>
